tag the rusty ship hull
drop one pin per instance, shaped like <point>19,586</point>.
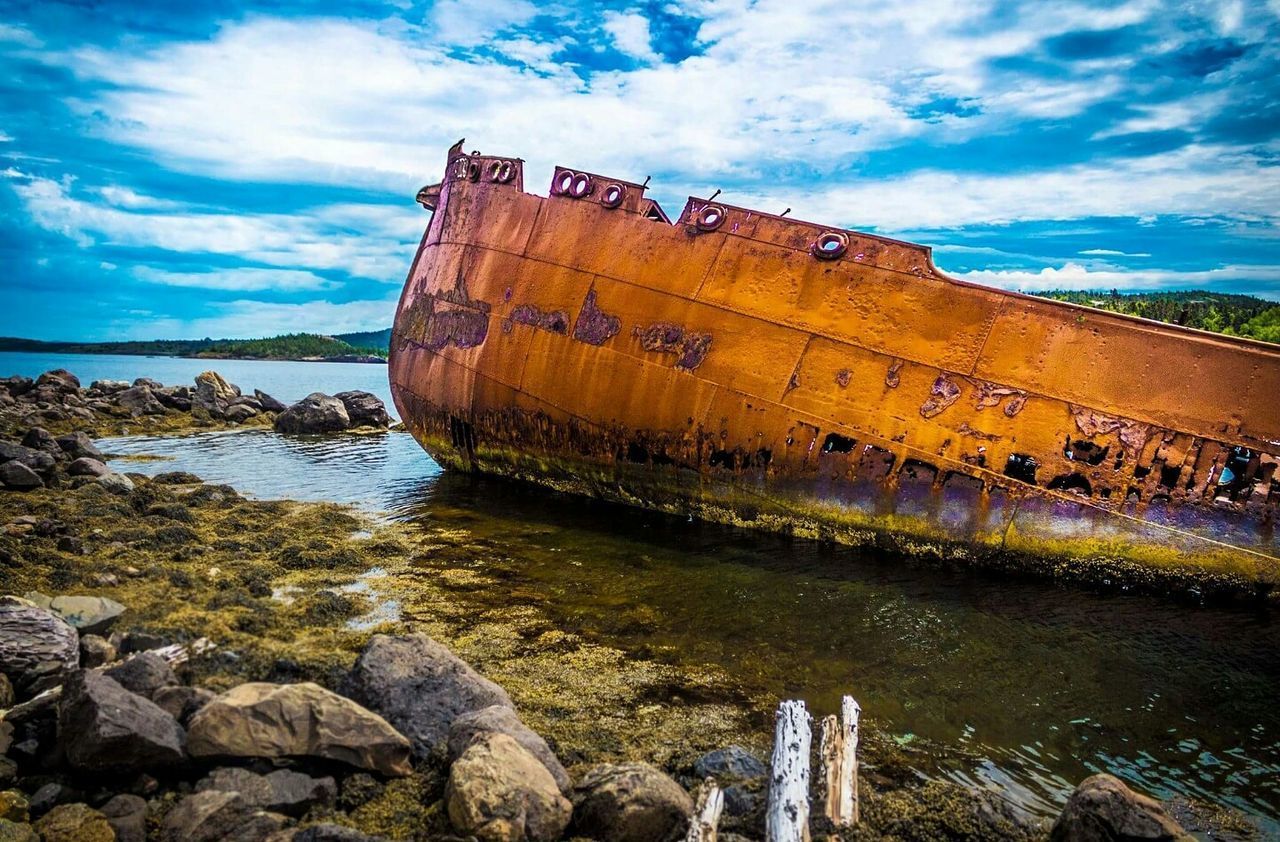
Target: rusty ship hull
<point>753,369</point>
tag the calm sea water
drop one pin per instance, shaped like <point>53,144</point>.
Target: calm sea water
<point>1028,687</point>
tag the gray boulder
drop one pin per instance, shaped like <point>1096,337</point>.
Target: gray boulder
<point>281,791</point>
<point>500,792</point>
<point>1103,809</point>
<point>110,387</point>
<point>213,394</point>
<point>216,816</point>
<point>36,646</point>
<point>144,674</point>
<point>16,384</point>
<point>268,403</point>
<point>38,438</point>
<point>139,400</point>
<point>630,802</point>
<point>103,727</point>
<point>79,444</point>
<point>500,719</point>
<point>60,379</point>
<point>115,483</point>
<point>87,467</point>
<point>420,687</point>
<point>18,477</point>
<point>86,614</point>
<point>365,409</point>
<point>36,460</point>
<point>316,413</point>
<point>239,413</point>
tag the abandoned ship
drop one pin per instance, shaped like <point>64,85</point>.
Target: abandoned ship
<point>758,370</point>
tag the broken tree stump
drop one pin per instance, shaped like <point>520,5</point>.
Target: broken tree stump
<point>787,816</point>
<point>838,752</point>
<point>705,823</point>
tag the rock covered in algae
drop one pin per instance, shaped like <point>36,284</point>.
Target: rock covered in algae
<point>260,719</point>
<point>216,816</point>
<point>499,792</point>
<point>75,823</point>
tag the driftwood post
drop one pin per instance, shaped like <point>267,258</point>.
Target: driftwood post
<point>787,819</point>
<point>704,826</point>
<point>839,754</point>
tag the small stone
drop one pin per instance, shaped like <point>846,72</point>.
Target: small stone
<point>144,674</point>
<point>281,791</point>
<point>71,544</point>
<point>95,651</point>
<point>630,802</point>
<point>106,580</point>
<point>51,795</point>
<point>269,404</point>
<point>14,806</point>
<point>733,763</point>
<point>215,816</point>
<point>110,387</point>
<point>116,483</point>
<point>75,823</point>
<point>500,792</point>
<point>331,833</point>
<point>87,466</point>
<point>136,641</point>
<point>239,413</point>
<point>127,815</point>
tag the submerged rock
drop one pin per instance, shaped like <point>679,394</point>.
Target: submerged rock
<point>1103,809</point>
<point>500,719</point>
<point>630,802</point>
<point>36,646</point>
<point>500,792</point>
<point>296,720</point>
<point>316,413</point>
<point>103,727</point>
<point>420,687</point>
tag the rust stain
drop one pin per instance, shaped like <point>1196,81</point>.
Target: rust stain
<point>942,394</point>
<point>555,321</point>
<point>595,326</point>
<point>892,378</point>
<point>662,337</point>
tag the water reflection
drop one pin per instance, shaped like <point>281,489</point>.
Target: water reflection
<point>1031,686</point>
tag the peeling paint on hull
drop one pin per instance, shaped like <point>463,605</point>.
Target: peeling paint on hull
<point>723,371</point>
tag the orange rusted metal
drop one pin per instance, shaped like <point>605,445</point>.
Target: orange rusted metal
<point>760,370</point>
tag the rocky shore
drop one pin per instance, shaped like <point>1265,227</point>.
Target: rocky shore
<point>180,663</point>
<point>55,402</point>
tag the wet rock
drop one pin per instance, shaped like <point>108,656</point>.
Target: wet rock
<point>500,719</point>
<point>733,763</point>
<point>281,791</point>
<point>75,823</point>
<point>17,832</point>
<point>144,674</point>
<point>86,614</point>
<point>364,409</point>
<point>38,438</point>
<point>182,702</point>
<point>296,720</point>
<point>79,444</point>
<point>1103,809</point>
<point>630,802</point>
<point>215,816</point>
<point>213,394</point>
<point>36,646</point>
<point>316,413</point>
<point>95,651</point>
<point>103,727</point>
<point>127,815</point>
<point>499,792</point>
<point>116,483</point>
<point>14,806</point>
<point>60,379</point>
<point>176,478</point>
<point>139,400</point>
<point>239,413</point>
<point>267,402</point>
<point>18,477</point>
<point>420,687</point>
<point>51,795</point>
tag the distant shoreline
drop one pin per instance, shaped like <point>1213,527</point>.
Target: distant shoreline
<point>342,358</point>
<point>369,347</point>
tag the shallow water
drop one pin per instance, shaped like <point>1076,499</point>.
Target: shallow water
<point>1030,687</point>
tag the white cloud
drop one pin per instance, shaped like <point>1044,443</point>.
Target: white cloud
<point>630,32</point>
<point>1113,253</point>
<point>246,279</point>
<point>1076,277</point>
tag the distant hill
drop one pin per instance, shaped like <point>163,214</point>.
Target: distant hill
<point>294,346</point>
<point>369,339</point>
<point>1219,312</point>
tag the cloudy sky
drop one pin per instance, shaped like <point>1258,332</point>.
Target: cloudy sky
<point>246,169</point>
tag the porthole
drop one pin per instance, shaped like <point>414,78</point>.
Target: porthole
<point>830,245</point>
<point>613,195</point>
<point>710,217</point>
<point>581,186</point>
<point>562,183</point>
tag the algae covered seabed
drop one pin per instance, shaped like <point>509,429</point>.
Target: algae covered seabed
<point>623,633</point>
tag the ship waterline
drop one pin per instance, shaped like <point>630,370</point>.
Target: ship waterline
<point>758,370</point>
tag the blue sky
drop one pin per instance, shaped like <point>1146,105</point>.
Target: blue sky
<point>241,169</point>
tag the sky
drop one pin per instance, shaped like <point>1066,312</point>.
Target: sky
<point>241,169</point>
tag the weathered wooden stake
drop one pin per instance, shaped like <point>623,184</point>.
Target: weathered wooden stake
<point>787,817</point>
<point>838,751</point>
<point>704,826</point>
